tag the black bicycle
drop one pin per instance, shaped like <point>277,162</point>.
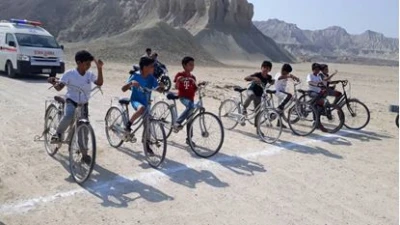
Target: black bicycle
<point>356,112</point>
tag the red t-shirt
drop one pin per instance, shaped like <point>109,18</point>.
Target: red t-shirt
<point>186,84</point>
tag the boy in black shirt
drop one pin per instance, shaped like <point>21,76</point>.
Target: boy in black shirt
<point>255,91</point>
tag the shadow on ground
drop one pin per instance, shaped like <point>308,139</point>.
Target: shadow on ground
<point>291,146</point>
<point>115,190</point>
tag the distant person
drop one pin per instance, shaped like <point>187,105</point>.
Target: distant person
<point>187,86</point>
<point>255,91</point>
<point>281,86</point>
<point>159,68</point>
<point>148,53</point>
<point>79,77</point>
<point>324,74</point>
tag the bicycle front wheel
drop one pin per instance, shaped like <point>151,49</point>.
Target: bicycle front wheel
<point>154,143</point>
<point>303,119</point>
<point>51,121</point>
<point>265,128</point>
<point>114,122</point>
<point>163,112</point>
<point>332,119</point>
<point>206,134</point>
<point>229,114</point>
<point>82,152</point>
<point>356,113</point>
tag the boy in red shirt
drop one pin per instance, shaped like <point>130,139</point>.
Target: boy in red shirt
<point>186,84</point>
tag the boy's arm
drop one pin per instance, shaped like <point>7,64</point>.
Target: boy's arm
<point>99,65</point>
<point>312,83</point>
<point>294,77</point>
<point>57,84</point>
<point>252,78</point>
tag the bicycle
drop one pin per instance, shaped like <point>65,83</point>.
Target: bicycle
<point>331,116</point>
<point>395,109</point>
<point>231,112</point>
<point>79,135</point>
<point>200,124</point>
<point>353,109</point>
<point>302,117</point>
<point>154,138</point>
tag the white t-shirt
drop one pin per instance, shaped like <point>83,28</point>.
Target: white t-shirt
<point>314,78</point>
<point>280,85</point>
<point>72,77</point>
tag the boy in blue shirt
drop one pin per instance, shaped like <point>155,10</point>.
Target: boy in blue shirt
<point>143,78</point>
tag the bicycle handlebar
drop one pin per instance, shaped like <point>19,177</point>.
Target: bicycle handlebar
<point>78,88</point>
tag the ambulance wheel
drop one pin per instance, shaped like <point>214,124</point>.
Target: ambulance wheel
<point>10,70</point>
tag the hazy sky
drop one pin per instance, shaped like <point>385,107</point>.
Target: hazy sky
<point>356,16</point>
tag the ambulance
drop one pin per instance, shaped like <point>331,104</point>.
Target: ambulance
<point>26,48</point>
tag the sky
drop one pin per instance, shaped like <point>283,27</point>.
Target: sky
<point>356,16</point>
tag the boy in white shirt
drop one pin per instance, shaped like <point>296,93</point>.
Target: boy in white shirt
<point>281,85</point>
<point>314,80</point>
<point>80,77</point>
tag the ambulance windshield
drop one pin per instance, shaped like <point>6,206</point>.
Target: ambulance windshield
<point>39,41</point>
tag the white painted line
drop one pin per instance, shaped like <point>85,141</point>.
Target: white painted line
<point>29,204</point>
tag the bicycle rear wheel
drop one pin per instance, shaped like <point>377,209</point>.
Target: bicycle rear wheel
<point>163,112</point>
<point>229,114</point>
<point>82,152</point>
<point>303,119</point>
<point>51,121</point>
<point>333,121</point>
<point>356,113</point>
<point>397,120</point>
<point>114,123</point>
<point>265,128</point>
<point>154,143</point>
<point>206,134</point>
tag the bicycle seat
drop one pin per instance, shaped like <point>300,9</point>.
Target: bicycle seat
<point>59,99</point>
<point>172,96</point>
<point>270,91</point>
<point>304,91</point>
<point>239,89</point>
<point>124,101</point>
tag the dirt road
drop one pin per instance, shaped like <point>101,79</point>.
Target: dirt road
<point>346,178</point>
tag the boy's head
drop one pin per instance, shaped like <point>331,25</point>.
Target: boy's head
<point>316,68</point>
<point>146,65</point>
<point>154,55</point>
<point>83,60</point>
<point>266,67</point>
<point>188,64</point>
<point>286,69</point>
<point>324,68</point>
<point>148,51</point>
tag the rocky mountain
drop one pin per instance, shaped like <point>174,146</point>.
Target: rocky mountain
<point>210,30</point>
<point>332,44</point>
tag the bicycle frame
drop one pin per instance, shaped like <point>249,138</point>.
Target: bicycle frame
<point>190,118</point>
<point>144,119</point>
<point>77,114</point>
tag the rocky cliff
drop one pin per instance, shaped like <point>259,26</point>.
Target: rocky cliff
<point>332,44</point>
<point>208,29</point>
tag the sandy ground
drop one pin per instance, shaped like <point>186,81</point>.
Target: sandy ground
<point>346,178</point>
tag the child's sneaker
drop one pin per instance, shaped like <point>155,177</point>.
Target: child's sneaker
<point>177,127</point>
<point>56,138</point>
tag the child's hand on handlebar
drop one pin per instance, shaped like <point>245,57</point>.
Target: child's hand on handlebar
<point>52,80</point>
<point>135,84</point>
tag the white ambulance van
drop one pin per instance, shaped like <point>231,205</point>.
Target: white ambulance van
<point>26,48</point>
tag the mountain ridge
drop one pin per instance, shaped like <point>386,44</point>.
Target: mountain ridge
<point>333,43</point>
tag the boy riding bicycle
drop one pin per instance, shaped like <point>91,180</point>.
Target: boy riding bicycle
<point>324,74</point>
<point>255,91</point>
<point>281,85</point>
<point>79,77</point>
<point>185,82</point>
<point>139,99</point>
